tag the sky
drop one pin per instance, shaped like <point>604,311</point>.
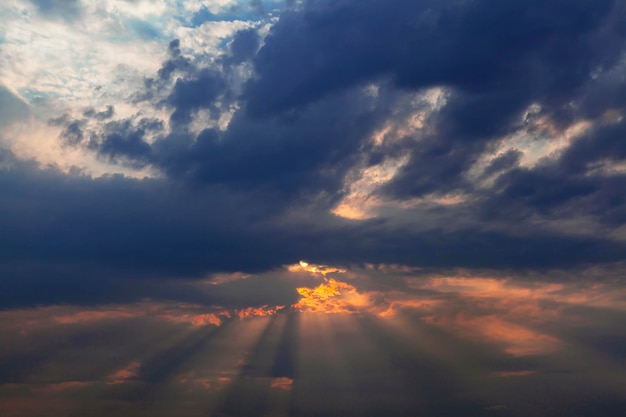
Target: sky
<point>312,208</point>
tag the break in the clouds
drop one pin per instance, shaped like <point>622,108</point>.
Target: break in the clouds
<point>458,166</point>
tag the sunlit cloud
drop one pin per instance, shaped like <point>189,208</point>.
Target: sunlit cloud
<point>409,122</point>
<point>212,318</point>
<point>90,316</point>
<point>331,297</point>
<point>258,311</point>
<point>102,58</point>
<point>282,383</point>
<point>538,138</point>
<point>360,203</point>
<point>304,266</point>
<point>515,339</point>
<point>395,306</point>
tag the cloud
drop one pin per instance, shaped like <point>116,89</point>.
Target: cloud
<point>65,9</point>
<point>330,134</point>
<point>244,45</point>
<point>204,180</point>
<point>78,239</point>
<point>124,374</point>
<point>503,336</point>
<point>12,109</point>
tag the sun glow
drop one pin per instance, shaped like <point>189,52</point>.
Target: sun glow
<point>331,297</point>
<point>304,266</point>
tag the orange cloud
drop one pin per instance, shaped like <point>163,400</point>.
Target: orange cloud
<point>124,374</point>
<point>190,378</point>
<point>394,305</point>
<point>188,314</point>
<point>515,339</point>
<point>282,383</point>
<point>194,315</point>
<point>331,297</point>
<point>257,311</point>
<point>88,316</point>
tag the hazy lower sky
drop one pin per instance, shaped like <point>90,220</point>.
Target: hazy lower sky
<point>313,208</point>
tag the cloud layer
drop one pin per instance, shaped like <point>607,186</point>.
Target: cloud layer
<point>438,134</point>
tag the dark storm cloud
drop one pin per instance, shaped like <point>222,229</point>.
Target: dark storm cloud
<point>478,46</point>
<point>86,231</point>
<point>300,154</point>
<point>120,141</point>
<point>243,46</point>
<point>495,57</point>
<point>581,182</point>
<point>196,93</point>
<point>126,139</point>
<point>257,195</point>
<point>81,240</point>
<point>533,59</point>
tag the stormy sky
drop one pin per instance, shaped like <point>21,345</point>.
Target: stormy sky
<point>312,207</point>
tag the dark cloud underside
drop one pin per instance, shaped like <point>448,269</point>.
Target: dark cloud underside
<point>257,193</point>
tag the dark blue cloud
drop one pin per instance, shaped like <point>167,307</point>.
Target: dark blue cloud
<point>126,140</point>
<point>199,92</point>
<point>244,45</point>
<point>257,194</point>
<point>494,58</point>
<point>76,239</point>
<point>473,46</point>
<point>582,182</point>
<point>303,153</point>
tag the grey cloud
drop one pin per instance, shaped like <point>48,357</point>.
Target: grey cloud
<point>12,108</point>
<point>108,113</point>
<point>64,9</point>
<point>177,62</point>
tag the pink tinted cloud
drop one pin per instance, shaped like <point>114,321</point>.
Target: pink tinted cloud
<point>123,375</point>
<point>282,383</point>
